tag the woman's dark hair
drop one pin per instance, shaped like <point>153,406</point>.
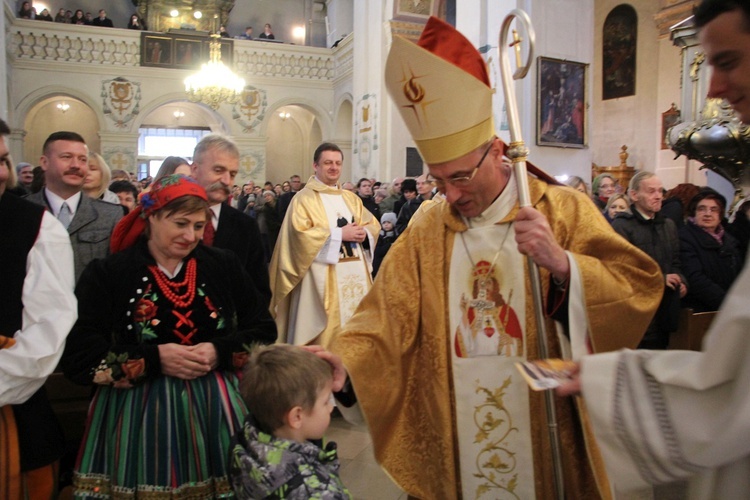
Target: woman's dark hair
<point>707,194</point>
<point>409,185</point>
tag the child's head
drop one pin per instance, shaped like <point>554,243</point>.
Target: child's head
<point>388,221</point>
<point>288,391</point>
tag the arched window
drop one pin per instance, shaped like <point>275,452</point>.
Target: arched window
<point>620,38</point>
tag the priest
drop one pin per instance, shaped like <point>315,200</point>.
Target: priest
<point>431,350</point>
<point>321,266</point>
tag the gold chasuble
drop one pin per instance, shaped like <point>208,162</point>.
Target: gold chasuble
<point>430,350</point>
<point>317,281</point>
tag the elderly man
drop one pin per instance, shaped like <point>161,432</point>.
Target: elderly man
<point>37,310</point>
<point>216,161</point>
<point>431,351</point>
<point>321,266</point>
<point>656,235</point>
<point>25,172</point>
<point>664,416</point>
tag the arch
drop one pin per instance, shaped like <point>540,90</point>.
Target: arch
<point>343,116</point>
<point>45,117</point>
<point>26,104</point>
<point>321,114</point>
<point>215,120</point>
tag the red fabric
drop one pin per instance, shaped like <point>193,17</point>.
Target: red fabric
<point>208,234</point>
<point>444,41</point>
<point>163,191</point>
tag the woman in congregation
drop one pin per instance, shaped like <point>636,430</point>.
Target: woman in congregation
<point>710,257</point>
<point>164,325</point>
<point>616,204</point>
<point>604,186</point>
<point>97,180</point>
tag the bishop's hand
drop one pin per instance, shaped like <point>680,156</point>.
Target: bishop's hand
<point>535,239</point>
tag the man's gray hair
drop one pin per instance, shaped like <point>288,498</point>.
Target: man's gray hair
<point>635,182</point>
<point>215,141</point>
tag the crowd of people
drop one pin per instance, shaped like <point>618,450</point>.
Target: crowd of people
<point>67,16</point>
<point>405,303</point>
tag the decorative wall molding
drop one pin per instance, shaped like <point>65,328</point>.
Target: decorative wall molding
<point>671,13</point>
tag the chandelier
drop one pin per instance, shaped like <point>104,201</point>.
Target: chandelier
<point>214,83</point>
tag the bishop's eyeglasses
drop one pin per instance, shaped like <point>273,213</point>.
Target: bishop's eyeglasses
<point>463,180</point>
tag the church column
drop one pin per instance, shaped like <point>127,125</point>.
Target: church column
<point>120,151</point>
<point>15,145</point>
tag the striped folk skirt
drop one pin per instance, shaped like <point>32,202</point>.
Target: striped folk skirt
<point>167,438</point>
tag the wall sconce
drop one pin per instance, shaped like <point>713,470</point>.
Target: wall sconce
<point>178,114</point>
<point>63,106</point>
<point>284,115</point>
<point>298,32</point>
<point>197,14</point>
<point>174,13</point>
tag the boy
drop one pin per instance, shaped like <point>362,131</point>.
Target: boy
<point>386,239</point>
<point>288,392</point>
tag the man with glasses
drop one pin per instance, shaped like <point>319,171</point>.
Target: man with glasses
<point>431,351</point>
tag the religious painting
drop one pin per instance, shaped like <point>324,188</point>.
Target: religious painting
<point>156,50</point>
<point>413,10</point>
<point>669,119</point>
<point>187,53</point>
<point>561,103</point>
<point>620,37</point>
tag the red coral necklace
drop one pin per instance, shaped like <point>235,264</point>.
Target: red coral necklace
<point>170,288</point>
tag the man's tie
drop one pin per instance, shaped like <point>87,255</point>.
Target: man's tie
<point>65,216</point>
<point>208,233</point>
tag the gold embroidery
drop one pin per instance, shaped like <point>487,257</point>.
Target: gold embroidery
<point>496,462</point>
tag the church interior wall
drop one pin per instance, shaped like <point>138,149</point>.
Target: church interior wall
<point>44,118</point>
<point>566,29</point>
<point>635,121</point>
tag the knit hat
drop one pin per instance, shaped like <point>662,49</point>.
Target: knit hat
<point>389,217</point>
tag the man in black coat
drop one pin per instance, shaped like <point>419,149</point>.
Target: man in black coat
<point>103,20</point>
<point>216,161</point>
<point>656,235</point>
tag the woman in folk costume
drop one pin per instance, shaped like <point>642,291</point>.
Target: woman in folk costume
<point>448,422</point>
<point>164,324</point>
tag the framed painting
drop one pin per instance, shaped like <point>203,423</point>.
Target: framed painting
<point>156,50</point>
<point>561,103</point>
<point>413,10</point>
<point>669,119</point>
<point>187,53</point>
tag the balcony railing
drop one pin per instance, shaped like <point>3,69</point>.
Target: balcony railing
<point>43,42</point>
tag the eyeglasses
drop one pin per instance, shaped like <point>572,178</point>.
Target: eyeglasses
<point>703,208</point>
<point>461,181</point>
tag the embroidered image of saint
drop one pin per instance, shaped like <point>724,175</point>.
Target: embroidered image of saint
<point>489,326</point>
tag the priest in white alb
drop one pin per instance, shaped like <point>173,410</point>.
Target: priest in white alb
<point>321,266</point>
<point>662,417</point>
<point>431,350</point>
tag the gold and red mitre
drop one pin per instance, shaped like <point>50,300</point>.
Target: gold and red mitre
<point>442,90</point>
<point>482,269</point>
